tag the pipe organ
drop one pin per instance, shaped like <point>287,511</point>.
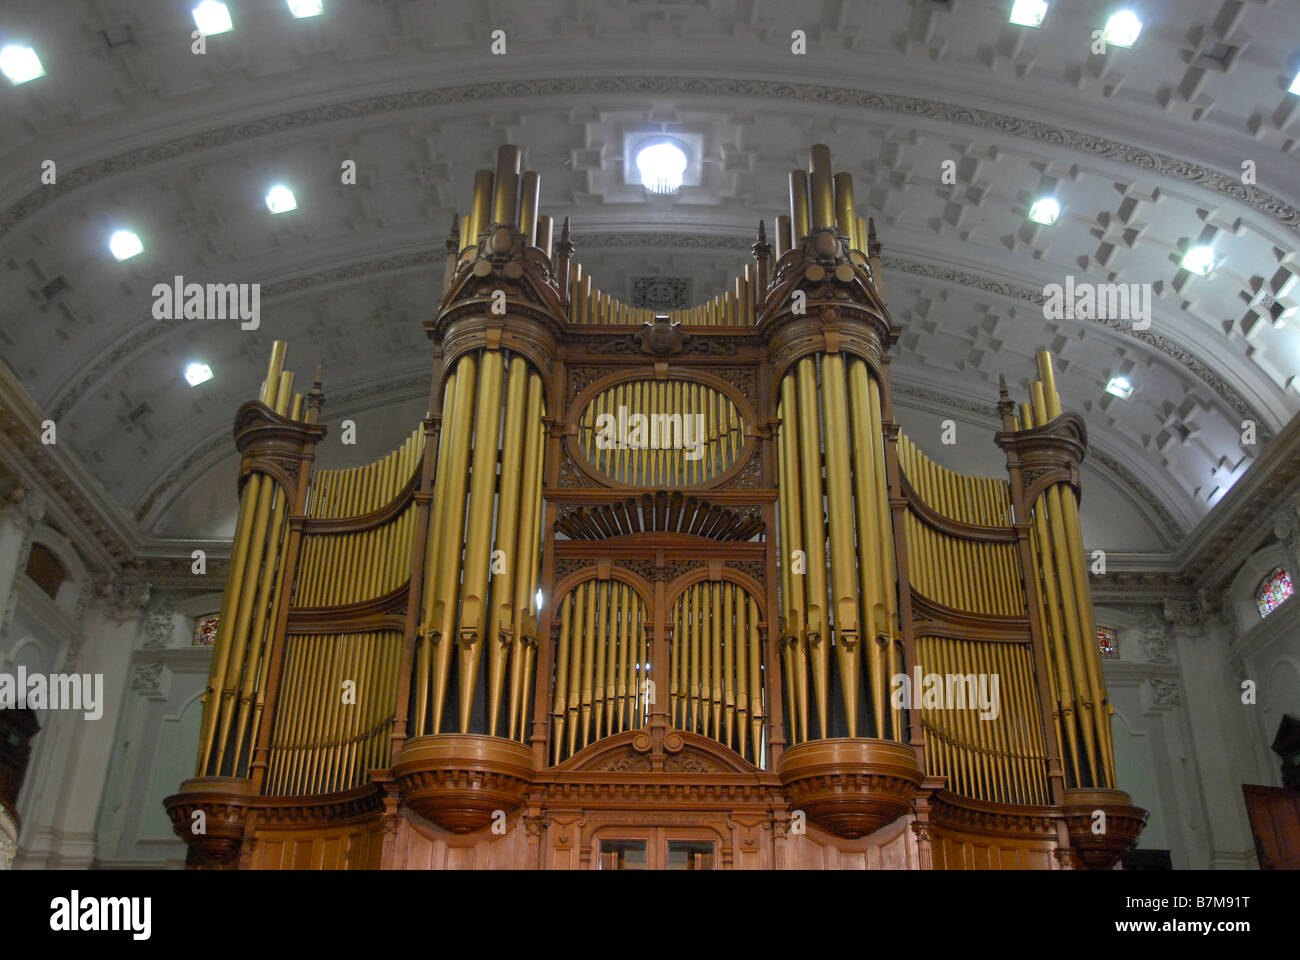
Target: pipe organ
<point>656,589</point>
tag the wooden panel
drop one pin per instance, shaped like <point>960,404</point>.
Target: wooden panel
<point>1275,822</point>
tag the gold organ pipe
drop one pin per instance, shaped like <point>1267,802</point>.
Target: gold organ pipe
<point>860,237</point>
<point>530,188</point>
<point>815,537</point>
<point>588,657</point>
<point>823,200</point>
<point>575,660</point>
<point>504,596</point>
<point>450,531</point>
<point>625,595</point>
<point>756,712</point>
<point>478,540</point>
<point>506,185</point>
<point>796,625</point>
<point>601,657</point>
<point>783,241</point>
<point>871,543</point>
<point>716,591</point>
<point>740,656</point>
<point>844,567</point>
<point>799,215</point>
<point>560,703</point>
<point>1058,545</point>
<point>844,217</point>
<point>528,546</point>
<point>481,212</point>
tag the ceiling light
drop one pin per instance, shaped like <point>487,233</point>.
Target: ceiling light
<point>197,373</point>
<point>306,8</point>
<point>1028,13</point>
<point>212,18</point>
<point>1122,28</point>
<point>1295,86</point>
<point>20,64</point>
<point>1120,387</point>
<point>280,199</point>
<point>661,165</point>
<point>539,598</point>
<point>125,245</point>
<point>1045,210</point>
<point>1199,260</point>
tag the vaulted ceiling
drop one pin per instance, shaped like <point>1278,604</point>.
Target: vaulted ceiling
<point>1144,148</point>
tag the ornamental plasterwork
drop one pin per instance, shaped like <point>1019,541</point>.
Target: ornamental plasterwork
<point>1087,144</point>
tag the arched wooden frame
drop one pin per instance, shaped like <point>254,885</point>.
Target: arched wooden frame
<point>565,586</point>
<point>729,574</point>
<point>744,408</point>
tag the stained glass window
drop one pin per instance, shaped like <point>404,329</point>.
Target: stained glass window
<point>1274,588</point>
<point>205,630</point>
<point>1108,643</point>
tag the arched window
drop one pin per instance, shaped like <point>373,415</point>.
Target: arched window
<point>1272,590</point>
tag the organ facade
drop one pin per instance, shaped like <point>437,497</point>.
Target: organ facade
<point>657,591</point>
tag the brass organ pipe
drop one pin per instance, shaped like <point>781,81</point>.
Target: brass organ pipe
<point>509,526</point>
<point>694,590</point>
<point>452,525</point>
<point>625,599</point>
<point>741,658</point>
<point>783,241</point>
<point>560,703</point>
<point>815,536</point>
<point>860,238</point>
<point>527,550</point>
<point>716,592</point>
<point>243,542</point>
<point>601,657</point>
<point>578,640</point>
<point>1073,642</point>
<point>288,729</point>
<point>756,712</point>
<point>643,659</point>
<point>478,540</point>
<point>481,211</point>
<point>866,449</point>
<point>588,656</point>
<point>529,189</point>
<point>823,201</point>
<point>799,217</point>
<point>506,185</point>
<point>611,656</point>
<point>885,526</point>
<point>545,235</point>
<point>844,567</point>
<point>844,217</point>
<point>312,689</point>
<point>796,625</point>
<point>432,553</point>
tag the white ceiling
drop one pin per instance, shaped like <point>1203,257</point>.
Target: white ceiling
<point>1144,146</point>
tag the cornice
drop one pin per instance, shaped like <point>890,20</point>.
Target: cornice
<point>1227,186</point>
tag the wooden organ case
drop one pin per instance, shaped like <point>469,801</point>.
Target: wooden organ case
<point>641,591</point>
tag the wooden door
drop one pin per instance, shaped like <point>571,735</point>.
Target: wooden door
<point>1275,823</point>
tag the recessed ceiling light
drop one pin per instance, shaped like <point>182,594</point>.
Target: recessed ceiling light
<point>20,64</point>
<point>1045,210</point>
<point>1295,86</point>
<point>124,244</point>
<point>212,18</point>
<point>1199,260</point>
<point>661,164</point>
<point>280,199</point>
<point>1122,28</point>
<point>306,8</point>
<point>197,373</point>
<point>1028,13</point>
<point>1120,387</point>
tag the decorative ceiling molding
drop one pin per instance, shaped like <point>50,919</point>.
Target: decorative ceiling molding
<point>1088,144</point>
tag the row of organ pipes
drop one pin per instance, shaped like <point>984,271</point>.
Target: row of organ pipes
<point>470,663</point>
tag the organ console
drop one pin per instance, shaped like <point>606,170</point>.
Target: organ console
<point>648,590</point>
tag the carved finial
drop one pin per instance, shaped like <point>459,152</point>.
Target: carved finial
<point>762,232</point>
<point>1006,408</point>
<point>564,249</point>
<point>873,246</point>
<point>564,233</point>
<point>316,398</point>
